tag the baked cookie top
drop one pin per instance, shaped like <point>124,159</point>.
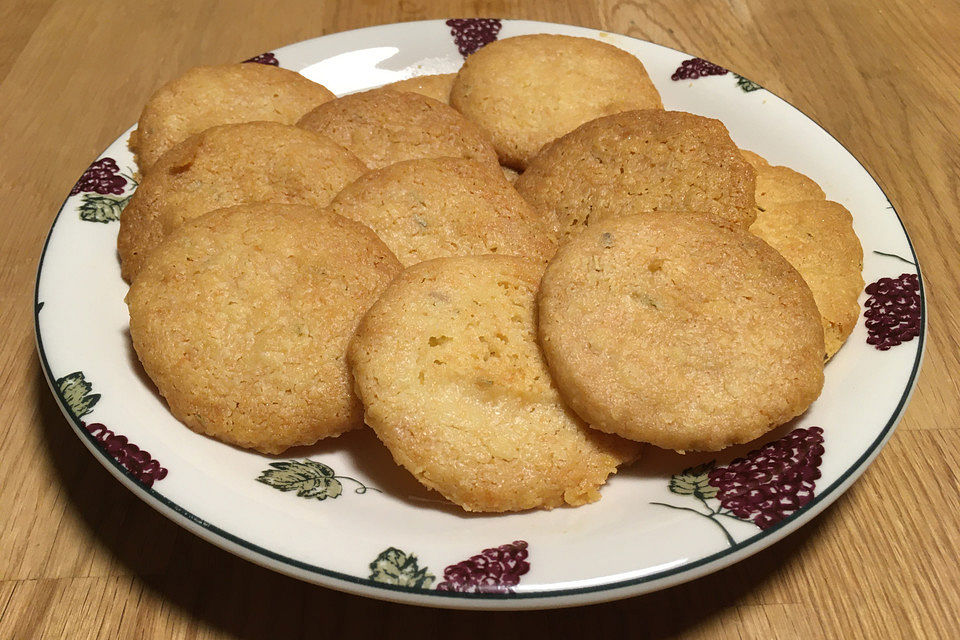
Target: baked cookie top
<point>433,86</point>
<point>230,165</point>
<point>204,97</point>
<point>528,90</point>
<point>755,159</point>
<point>817,238</point>
<point>440,207</point>
<point>242,318</point>
<point>454,384</point>
<point>383,126</point>
<point>641,161</point>
<point>678,330</point>
<point>780,185</point>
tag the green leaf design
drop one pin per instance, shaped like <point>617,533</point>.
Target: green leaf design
<point>746,84</point>
<point>694,481</point>
<point>76,393</point>
<point>102,208</point>
<point>396,567</point>
<point>310,479</point>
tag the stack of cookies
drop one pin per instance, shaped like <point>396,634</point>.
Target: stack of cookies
<point>515,278</point>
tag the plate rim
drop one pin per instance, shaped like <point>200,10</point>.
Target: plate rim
<point>523,599</point>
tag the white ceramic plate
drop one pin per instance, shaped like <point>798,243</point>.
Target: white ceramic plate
<point>661,522</point>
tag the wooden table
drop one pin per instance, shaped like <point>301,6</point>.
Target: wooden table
<point>80,556</point>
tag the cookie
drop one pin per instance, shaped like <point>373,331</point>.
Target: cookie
<point>780,185</point>
<point>242,318</point>
<point>439,207</point>
<point>433,86</point>
<point>383,126</point>
<point>678,330</point>
<point>528,90</point>
<point>817,238</point>
<point>229,165</point>
<point>756,160</point>
<point>641,161</point>
<point>204,97</point>
<point>454,384</point>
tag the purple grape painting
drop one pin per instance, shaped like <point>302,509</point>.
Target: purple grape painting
<point>103,177</point>
<point>893,311</point>
<point>764,487</point>
<point>490,571</point>
<point>470,34</point>
<point>265,58</point>
<point>134,459</point>
<point>103,191</point>
<point>697,68</point>
<point>494,570</point>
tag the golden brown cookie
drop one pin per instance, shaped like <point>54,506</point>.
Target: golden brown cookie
<point>454,384</point>
<point>528,90</point>
<point>229,165</point>
<point>641,161</point>
<point>242,318</point>
<point>756,160</point>
<point>439,207</point>
<point>681,331</point>
<point>780,185</point>
<point>204,97</point>
<point>817,238</point>
<point>383,126</point>
<point>433,86</point>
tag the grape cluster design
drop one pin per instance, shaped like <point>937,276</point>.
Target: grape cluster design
<point>470,34</point>
<point>135,460</point>
<point>490,571</point>
<point>103,177</point>
<point>697,68</point>
<point>265,58</point>
<point>893,311</point>
<point>772,482</point>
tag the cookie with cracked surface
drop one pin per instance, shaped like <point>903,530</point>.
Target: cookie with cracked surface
<point>205,97</point>
<point>641,161</point>
<point>529,90</point>
<point>454,384</point>
<point>383,126</point>
<point>817,238</point>
<point>230,165</point>
<point>441,207</point>
<point>680,331</point>
<point>433,86</point>
<point>242,317</point>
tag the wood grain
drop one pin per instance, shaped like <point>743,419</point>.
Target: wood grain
<point>81,557</point>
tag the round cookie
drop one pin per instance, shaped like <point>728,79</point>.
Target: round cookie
<point>242,319</point>
<point>641,161</point>
<point>204,97</point>
<point>817,238</point>
<point>454,384</point>
<point>383,126</point>
<point>529,90</point>
<point>680,331</point>
<point>440,207</point>
<point>780,185</point>
<point>230,165</point>
<point>433,86</point>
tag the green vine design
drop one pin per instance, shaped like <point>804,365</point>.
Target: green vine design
<point>309,478</point>
<point>694,482</point>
